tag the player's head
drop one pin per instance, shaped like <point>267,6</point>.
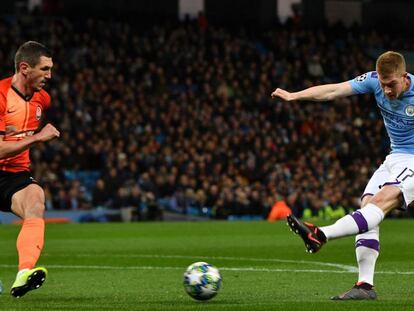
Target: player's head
<point>392,74</point>
<point>34,61</point>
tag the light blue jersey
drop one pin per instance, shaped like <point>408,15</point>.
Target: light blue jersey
<point>398,114</point>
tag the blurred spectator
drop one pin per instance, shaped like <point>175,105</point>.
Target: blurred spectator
<point>123,203</point>
<point>100,195</point>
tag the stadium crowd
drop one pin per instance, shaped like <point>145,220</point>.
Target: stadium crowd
<point>179,117</point>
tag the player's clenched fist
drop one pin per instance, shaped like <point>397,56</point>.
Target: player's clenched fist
<point>285,95</point>
<point>47,133</point>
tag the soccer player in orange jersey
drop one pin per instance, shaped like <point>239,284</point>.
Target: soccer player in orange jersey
<point>22,103</point>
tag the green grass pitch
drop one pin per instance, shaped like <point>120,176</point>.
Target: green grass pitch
<point>139,266</point>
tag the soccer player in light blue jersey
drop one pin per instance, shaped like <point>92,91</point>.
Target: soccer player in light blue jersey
<point>391,186</point>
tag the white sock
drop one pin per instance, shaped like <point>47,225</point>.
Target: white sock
<point>367,251</point>
<point>359,221</point>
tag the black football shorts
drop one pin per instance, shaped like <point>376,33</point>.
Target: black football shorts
<point>10,183</point>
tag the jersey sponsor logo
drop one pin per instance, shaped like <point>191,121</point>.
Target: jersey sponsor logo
<point>38,113</point>
<point>409,110</point>
<point>11,131</point>
<point>396,121</point>
<point>23,134</point>
<point>361,78</point>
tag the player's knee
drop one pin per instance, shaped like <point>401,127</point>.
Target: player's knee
<point>34,203</point>
<point>389,197</point>
<point>34,210</point>
<point>365,200</point>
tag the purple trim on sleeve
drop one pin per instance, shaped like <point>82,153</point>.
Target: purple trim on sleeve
<point>390,183</point>
<point>365,194</point>
<point>370,243</point>
<point>360,221</point>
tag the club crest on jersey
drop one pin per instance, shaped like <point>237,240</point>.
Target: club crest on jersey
<point>38,113</point>
<point>361,77</point>
<point>409,110</point>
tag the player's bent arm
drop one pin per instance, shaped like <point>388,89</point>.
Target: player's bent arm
<point>323,92</point>
<point>12,148</point>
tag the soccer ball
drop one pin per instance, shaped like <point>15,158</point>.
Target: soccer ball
<point>202,281</point>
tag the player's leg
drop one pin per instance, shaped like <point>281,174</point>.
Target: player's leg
<point>367,251</point>
<point>367,244</point>
<point>29,204</point>
<point>360,221</point>
<point>364,219</point>
<point>367,218</point>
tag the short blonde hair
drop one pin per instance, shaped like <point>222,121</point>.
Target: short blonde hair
<point>390,63</point>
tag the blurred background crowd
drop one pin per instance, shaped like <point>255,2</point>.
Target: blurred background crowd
<point>178,116</point>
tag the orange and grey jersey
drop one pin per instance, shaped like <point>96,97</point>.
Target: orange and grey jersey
<point>19,117</point>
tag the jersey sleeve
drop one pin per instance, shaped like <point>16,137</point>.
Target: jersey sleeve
<point>365,83</point>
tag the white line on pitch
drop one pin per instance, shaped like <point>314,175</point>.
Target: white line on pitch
<point>195,257</point>
<point>242,269</point>
<point>239,269</point>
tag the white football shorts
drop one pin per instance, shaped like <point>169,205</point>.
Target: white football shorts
<point>397,170</point>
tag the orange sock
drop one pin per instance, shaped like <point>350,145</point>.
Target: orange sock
<point>30,242</point>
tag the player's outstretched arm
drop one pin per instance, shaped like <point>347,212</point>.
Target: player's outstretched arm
<point>12,148</point>
<point>324,92</point>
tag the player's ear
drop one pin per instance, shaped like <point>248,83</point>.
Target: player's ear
<point>23,68</point>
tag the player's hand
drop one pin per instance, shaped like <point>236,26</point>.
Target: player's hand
<point>47,133</point>
<point>285,95</point>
